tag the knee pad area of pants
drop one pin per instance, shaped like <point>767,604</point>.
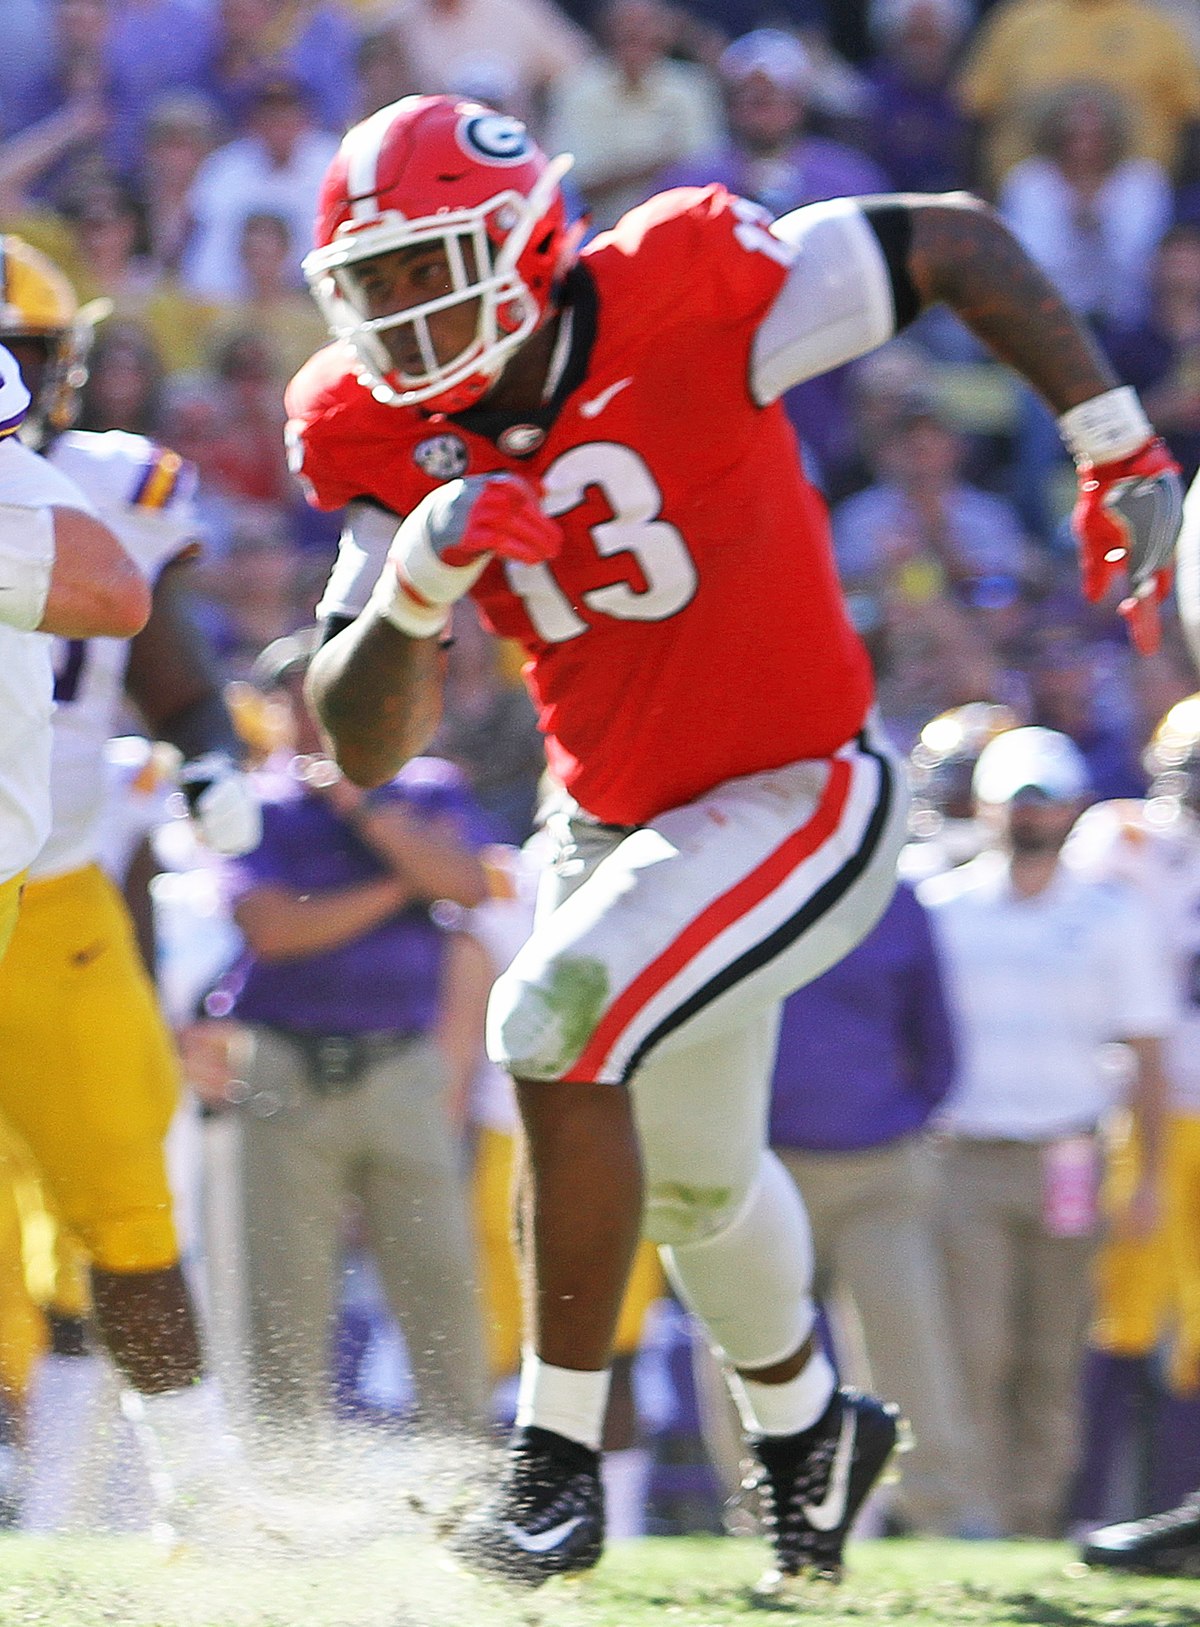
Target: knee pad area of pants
<point>749,1279</point>
<point>679,1214</point>
<point>537,1030</point>
<point>140,1240</point>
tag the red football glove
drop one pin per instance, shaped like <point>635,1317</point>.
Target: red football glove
<point>444,545</point>
<point>1126,519</point>
<point>495,514</point>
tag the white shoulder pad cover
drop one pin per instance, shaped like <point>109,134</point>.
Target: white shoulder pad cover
<point>362,549</point>
<point>26,477</point>
<point>143,491</point>
<point>835,304</point>
<point>14,397</point>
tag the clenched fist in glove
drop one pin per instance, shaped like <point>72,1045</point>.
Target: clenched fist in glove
<point>1130,503</point>
<point>222,803</point>
<point>443,546</point>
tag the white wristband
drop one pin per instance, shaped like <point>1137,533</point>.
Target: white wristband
<point>416,588</point>
<point>395,602</point>
<point>437,516</point>
<point>1107,427</point>
<point>26,564</point>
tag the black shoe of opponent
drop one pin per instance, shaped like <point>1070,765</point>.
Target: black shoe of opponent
<point>546,1517</point>
<point>813,1484</point>
<point>1161,1545</point>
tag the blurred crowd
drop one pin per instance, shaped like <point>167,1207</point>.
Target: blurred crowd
<point>166,155</point>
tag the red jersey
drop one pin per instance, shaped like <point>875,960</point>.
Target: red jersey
<point>692,629</point>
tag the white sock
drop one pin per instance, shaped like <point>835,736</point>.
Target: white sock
<point>64,1414</point>
<point>183,1435</point>
<point>571,1401</point>
<point>625,1475</point>
<point>784,1409</point>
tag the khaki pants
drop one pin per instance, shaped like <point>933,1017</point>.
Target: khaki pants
<point>1019,1301</point>
<point>876,1264</point>
<point>299,1154</point>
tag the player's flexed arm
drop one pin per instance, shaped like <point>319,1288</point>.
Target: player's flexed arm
<point>377,685</point>
<point>961,254</point>
<point>956,251</point>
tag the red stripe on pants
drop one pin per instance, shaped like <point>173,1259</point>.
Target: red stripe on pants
<point>714,919</point>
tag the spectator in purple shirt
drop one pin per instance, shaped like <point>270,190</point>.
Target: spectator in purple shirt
<point>767,77</point>
<point>126,52</point>
<point>314,44</point>
<point>769,157</point>
<point>916,127</point>
<point>340,1005</point>
<point>866,1054</point>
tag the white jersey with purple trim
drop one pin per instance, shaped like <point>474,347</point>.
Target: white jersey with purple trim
<point>14,397</point>
<point>1154,847</point>
<point>26,674</point>
<point>144,494</point>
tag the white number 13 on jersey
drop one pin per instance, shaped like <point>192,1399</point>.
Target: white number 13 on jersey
<point>660,551</point>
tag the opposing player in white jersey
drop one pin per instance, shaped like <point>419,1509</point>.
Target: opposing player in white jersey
<point>61,571</point>
<point>1154,846</point>
<point>1148,1287</point>
<point>90,1076</point>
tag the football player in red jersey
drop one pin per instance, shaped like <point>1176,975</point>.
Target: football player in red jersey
<point>590,442</point>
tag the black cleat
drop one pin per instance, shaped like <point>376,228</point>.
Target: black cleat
<point>813,1484</point>
<point>1161,1545</point>
<point>546,1518</point>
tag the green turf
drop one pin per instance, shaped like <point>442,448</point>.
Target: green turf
<point>700,1582</point>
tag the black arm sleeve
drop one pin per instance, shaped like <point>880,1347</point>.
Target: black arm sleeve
<point>330,626</point>
<point>892,224</point>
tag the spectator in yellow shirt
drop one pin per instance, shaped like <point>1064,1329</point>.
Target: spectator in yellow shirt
<point>1026,48</point>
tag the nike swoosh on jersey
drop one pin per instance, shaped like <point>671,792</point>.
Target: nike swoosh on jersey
<point>594,407</point>
<point>541,1542</point>
<point>831,1510</point>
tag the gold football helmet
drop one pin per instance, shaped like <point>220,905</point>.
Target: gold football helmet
<point>943,761</point>
<point>1173,756</point>
<point>38,303</point>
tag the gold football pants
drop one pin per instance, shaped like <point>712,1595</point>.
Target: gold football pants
<point>89,1077</point>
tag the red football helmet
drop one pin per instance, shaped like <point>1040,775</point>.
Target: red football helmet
<point>440,169</point>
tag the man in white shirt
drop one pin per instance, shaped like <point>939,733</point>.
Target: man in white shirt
<point>61,571</point>
<point>1046,968</point>
<point>525,44</point>
<point>632,109</point>
<point>275,167</point>
<point>1143,1366</point>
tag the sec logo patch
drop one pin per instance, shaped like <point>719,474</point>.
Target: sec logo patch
<point>441,457</point>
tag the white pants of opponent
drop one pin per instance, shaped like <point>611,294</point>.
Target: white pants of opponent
<point>658,961</point>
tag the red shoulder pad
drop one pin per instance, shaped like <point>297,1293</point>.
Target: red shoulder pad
<point>696,253</point>
<point>342,443</point>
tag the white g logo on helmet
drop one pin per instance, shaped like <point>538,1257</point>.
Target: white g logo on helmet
<point>495,138</point>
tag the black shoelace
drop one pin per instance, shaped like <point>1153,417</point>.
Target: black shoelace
<point>785,1493</point>
<point>543,1485</point>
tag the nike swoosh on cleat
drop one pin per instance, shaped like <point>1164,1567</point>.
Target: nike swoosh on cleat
<point>542,1542</point>
<point>829,1513</point>
<point>594,407</point>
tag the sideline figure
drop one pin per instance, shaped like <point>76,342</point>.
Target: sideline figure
<point>591,443</point>
<point>61,571</point>
<point>90,1075</point>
